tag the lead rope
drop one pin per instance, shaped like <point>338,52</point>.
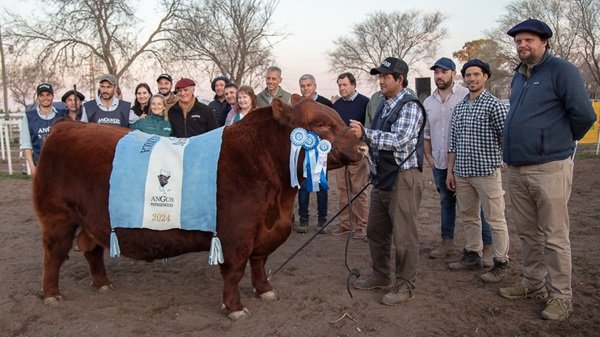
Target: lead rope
<point>310,239</point>
<point>352,272</point>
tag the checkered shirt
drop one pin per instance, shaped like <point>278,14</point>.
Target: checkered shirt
<point>403,137</point>
<point>476,135</point>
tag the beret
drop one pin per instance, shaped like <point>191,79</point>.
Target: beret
<point>184,82</point>
<point>477,63</point>
<point>533,26</point>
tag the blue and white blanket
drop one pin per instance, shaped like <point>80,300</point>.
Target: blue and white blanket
<point>165,182</point>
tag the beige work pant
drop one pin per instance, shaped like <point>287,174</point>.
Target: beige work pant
<point>358,177</point>
<point>539,195</point>
<point>485,192</point>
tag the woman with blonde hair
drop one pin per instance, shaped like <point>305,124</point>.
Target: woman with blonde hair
<point>157,121</point>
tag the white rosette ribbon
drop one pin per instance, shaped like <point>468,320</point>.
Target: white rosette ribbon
<point>319,173</point>
<point>297,138</point>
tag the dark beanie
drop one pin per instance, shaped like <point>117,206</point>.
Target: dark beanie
<point>219,78</point>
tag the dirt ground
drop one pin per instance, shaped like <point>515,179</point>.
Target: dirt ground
<point>183,296</point>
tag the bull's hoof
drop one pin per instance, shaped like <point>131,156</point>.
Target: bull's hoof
<point>106,288</point>
<point>234,316</point>
<point>270,295</point>
<point>52,301</point>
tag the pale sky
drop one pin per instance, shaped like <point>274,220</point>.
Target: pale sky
<point>312,26</point>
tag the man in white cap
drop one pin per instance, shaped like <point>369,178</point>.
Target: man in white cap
<point>549,111</point>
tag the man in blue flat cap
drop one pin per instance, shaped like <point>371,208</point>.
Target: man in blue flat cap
<point>549,111</point>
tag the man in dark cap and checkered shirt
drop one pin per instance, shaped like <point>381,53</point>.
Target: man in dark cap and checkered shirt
<point>395,142</point>
<point>474,162</point>
<point>549,111</point>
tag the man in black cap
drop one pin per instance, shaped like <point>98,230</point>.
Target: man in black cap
<point>474,162</point>
<point>439,107</point>
<point>165,86</point>
<point>549,111</point>
<point>396,146</point>
<point>73,100</point>
<point>107,108</point>
<point>36,125</point>
<point>219,106</point>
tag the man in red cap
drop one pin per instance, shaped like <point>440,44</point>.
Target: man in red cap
<point>189,117</point>
<point>549,110</point>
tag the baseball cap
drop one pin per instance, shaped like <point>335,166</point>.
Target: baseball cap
<point>444,63</point>
<point>391,65</point>
<point>108,78</point>
<point>44,87</point>
<point>165,76</point>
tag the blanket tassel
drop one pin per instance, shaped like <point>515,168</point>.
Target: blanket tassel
<point>115,251</point>
<point>215,255</point>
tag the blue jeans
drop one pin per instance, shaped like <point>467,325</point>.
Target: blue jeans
<point>303,200</point>
<point>448,209</point>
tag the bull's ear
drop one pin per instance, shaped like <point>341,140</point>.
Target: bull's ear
<point>278,108</point>
<point>296,99</point>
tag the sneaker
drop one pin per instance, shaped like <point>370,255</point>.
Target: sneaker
<point>401,292</point>
<point>557,309</point>
<point>518,292</point>
<point>469,261</point>
<point>372,282</point>
<point>360,233</point>
<point>302,226</point>
<point>488,256</point>
<point>495,274</point>
<point>442,251</point>
<point>340,231</point>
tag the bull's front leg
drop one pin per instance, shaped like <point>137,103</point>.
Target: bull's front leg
<point>232,275</point>
<point>259,279</point>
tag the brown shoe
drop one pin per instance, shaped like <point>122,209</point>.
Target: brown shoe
<point>557,309</point>
<point>469,261</point>
<point>372,282</point>
<point>401,292</point>
<point>445,249</point>
<point>495,274</point>
<point>359,234</point>
<point>340,231</point>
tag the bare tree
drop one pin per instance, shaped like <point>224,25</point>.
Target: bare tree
<point>71,32</point>
<point>552,12</point>
<point>24,79</point>
<point>230,37</point>
<point>585,18</point>
<point>411,36</point>
<point>489,51</point>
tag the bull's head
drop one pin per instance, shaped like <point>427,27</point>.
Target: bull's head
<point>326,122</point>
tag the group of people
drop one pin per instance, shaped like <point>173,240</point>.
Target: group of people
<point>469,134</point>
<point>464,133</point>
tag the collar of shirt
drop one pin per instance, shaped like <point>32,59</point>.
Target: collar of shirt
<point>50,115</point>
<point>272,96</point>
<point>436,93</point>
<point>315,96</point>
<point>113,105</point>
<point>468,97</point>
<point>390,103</point>
<point>351,97</point>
